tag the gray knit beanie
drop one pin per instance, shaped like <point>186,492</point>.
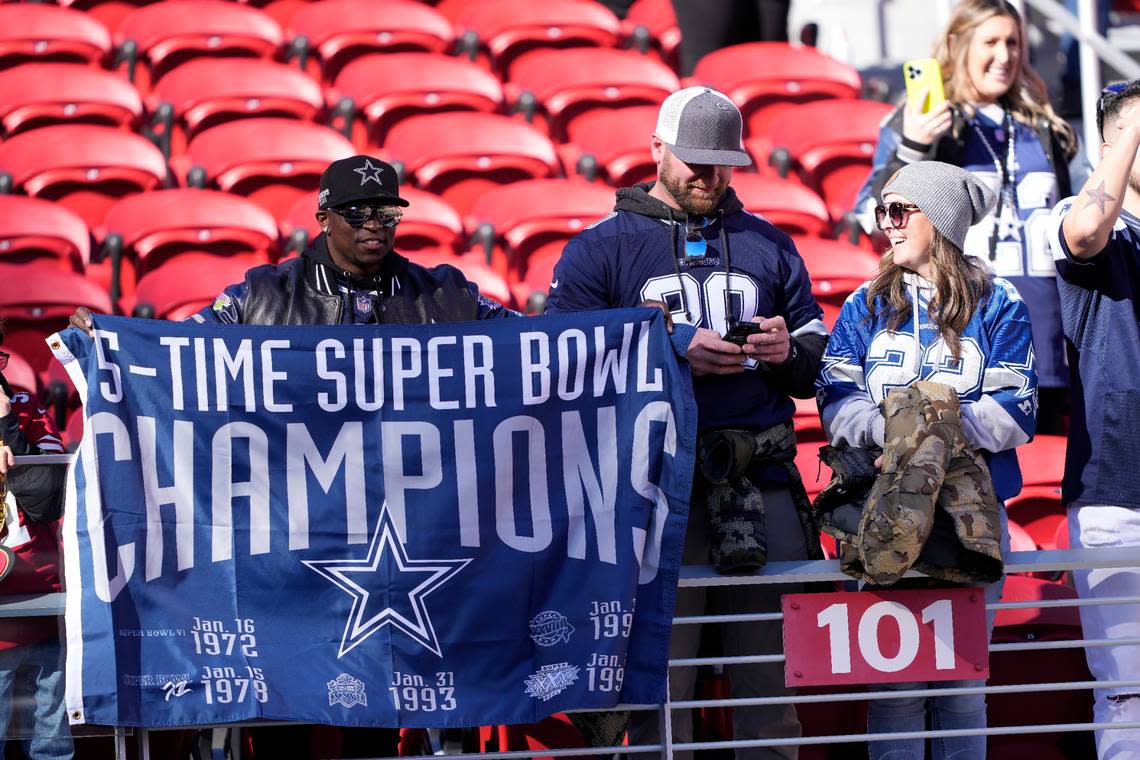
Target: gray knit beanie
<point>951,197</point>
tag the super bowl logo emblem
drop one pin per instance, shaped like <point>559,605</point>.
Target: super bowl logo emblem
<point>346,690</point>
<point>551,680</point>
<point>548,628</point>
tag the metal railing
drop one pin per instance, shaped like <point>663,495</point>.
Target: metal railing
<point>798,572</point>
<point>774,573</point>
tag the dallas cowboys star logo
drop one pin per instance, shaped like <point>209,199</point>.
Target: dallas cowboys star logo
<point>383,602</point>
<point>370,173</point>
<point>1023,372</point>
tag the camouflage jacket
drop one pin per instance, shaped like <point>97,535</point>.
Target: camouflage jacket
<point>931,507</point>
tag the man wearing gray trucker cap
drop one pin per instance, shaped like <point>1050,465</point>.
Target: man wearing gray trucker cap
<point>719,272</point>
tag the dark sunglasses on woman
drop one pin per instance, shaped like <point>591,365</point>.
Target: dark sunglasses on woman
<point>896,210</point>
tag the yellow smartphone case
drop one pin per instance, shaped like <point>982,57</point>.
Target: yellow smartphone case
<point>923,74</point>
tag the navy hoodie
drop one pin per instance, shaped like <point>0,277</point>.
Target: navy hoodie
<point>749,269</point>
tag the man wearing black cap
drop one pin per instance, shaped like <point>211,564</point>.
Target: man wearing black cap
<point>349,274</point>
<point>686,242</point>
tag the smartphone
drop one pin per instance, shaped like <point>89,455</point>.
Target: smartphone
<point>923,74</point>
<point>739,332</point>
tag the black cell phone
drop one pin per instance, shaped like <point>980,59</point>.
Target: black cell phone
<point>739,332</point>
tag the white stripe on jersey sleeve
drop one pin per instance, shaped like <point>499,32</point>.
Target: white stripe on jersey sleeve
<point>989,426</point>
<point>814,327</point>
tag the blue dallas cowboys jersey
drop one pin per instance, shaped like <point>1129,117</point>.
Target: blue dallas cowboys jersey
<point>1099,299</point>
<point>1023,255</point>
<point>638,253</point>
<point>995,376</point>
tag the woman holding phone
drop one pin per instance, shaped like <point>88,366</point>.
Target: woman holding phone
<point>996,123</point>
<point>935,315</point>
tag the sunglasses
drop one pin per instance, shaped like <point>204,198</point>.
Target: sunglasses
<point>358,216</point>
<point>896,210</point>
<point>1106,95</point>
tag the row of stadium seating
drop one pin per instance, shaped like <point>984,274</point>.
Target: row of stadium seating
<point>152,38</point>
<point>824,145</point>
<point>550,88</point>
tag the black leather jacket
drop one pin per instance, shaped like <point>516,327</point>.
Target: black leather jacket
<point>304,291</point>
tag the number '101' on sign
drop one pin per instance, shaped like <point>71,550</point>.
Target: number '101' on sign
<point>870,637</point>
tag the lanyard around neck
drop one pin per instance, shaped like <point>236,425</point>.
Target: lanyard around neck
<point>1006,170</point>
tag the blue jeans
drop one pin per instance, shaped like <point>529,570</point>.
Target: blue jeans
<point>36,670</point>
<point>946,713</point>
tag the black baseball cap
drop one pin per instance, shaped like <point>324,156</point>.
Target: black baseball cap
<point>359,178</point>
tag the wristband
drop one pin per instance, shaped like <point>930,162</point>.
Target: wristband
<point>915,145</point>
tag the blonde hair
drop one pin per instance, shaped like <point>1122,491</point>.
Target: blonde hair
<point>961,285</point>
<point>1027,99</point>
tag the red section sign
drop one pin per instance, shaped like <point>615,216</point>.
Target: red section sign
<point>871,637</point>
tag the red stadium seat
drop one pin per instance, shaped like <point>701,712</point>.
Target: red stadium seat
<point>151,229</point>
<point>1060,536</point>
<point>60,392</point>
<point>73,432</point>
<point>490,282</point>
<point>1012,624</point>
<point>460,155</point>
<point>1039,665</point>
<point>20,375</point>
<point>553,732</point>
<point>42,94</point>
<point>86,168</point>
<point>207,92</point>
<point>530,216</point>
<point>273,162</point>
<point>337,31</point>
<point>829,145</point>
<point>815,474</point>
<point>1039,510</point>
<point>613,145</point>
<point>34,230</point>
<point>1019,538</point>
<point>389,87</point>
<point>836,268</point>
<point>531,291</point>
<point>110,13</point>
<point>793,208</point>
<point>1042,460</point>
<point>806,408</point>
<point>564,84</point>
<point>656,20</point>
<point>428,222</point>
<point>167,34</point>
<point>808,428</point>
<point>31,32</point>
<point>37,300</point>
<point>505,29</point>
<point>760,75</point>
<point>186,284</point>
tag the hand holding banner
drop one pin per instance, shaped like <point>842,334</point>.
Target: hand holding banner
<point>440,525</point>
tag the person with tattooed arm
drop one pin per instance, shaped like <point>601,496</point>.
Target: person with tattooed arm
<point>1096,241</point>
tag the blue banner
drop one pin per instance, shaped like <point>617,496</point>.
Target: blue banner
<point>442,525</point>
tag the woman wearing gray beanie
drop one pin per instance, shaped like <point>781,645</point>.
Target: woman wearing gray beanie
<point>934,314</point>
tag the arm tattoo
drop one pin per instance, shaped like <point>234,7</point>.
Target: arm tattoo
<point>1099,197</point>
